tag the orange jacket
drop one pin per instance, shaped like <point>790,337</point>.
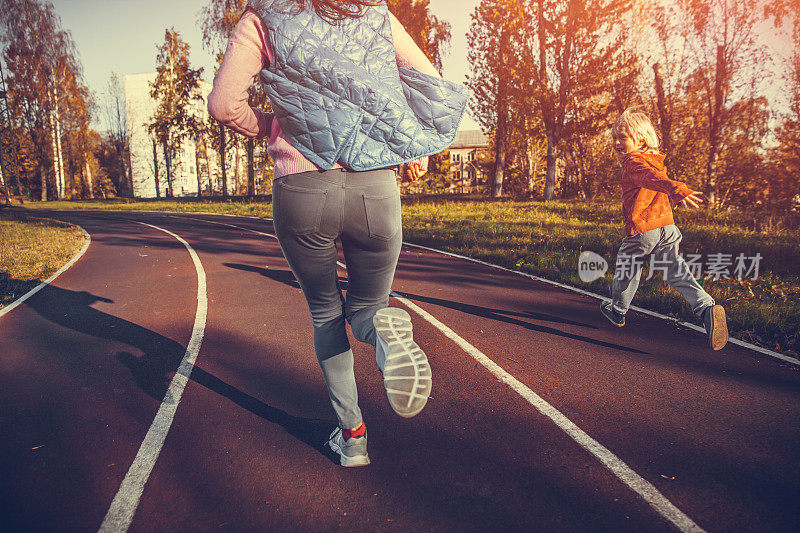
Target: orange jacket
<point>647,192</point>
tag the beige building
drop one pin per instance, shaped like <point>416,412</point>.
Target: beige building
<point>466,175</point>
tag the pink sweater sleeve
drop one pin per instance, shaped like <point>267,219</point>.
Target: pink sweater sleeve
<point>407,52</point>
<point>244,58</point>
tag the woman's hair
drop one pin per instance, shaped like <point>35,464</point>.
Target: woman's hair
<point>638,126</point>
<point>333,10</point>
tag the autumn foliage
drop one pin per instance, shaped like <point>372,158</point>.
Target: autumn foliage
<point>549,76</point>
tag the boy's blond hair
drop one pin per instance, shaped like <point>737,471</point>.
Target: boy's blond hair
<point>639,127</point>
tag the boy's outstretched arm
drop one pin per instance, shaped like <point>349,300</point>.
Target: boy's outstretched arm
<point>693,200</point>
<point>645,176</point>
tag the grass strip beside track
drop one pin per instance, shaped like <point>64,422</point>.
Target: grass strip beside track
<point>546,238</point>
<point>31,250</point>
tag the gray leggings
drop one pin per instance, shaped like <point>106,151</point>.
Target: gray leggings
<point>312,210</point>
<point>663,244</point>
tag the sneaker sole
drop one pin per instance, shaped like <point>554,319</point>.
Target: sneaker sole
<point>719,334</point>
<point>407,374</point>
<point>344,460</point>
<point>605,312</point>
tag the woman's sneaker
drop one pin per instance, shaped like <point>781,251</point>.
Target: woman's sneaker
<point>618,319</point>
<point>406,372</point>
<point>716,326</point>
<point>352,451</point>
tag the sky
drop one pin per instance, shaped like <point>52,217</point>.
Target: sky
<point>122,36</point>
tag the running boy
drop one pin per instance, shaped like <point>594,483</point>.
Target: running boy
<point>647,200</point>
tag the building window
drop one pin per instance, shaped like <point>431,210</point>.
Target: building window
<point>471,156</point>
<point>458,174</point>
<point>456,158</point>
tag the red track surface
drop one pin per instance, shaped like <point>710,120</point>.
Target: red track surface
<point>85,363</point>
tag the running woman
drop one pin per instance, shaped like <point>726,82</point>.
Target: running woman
<point>353,98</point>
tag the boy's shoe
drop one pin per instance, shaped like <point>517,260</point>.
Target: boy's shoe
<point>716,326</point>
<point>352,451</point>
<point>618,319</point>
<point>406,373</point>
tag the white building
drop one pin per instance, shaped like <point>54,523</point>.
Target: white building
<point>147,157</point>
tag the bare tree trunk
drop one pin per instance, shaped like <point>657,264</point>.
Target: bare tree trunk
<point>3,180</point>
<point>61,177</point>
<point>128,168</point>
<point>552,156</point>
<point>251,177</point>
<point>54,148</point>
<point>155,167</point>
<point>89,183</point>
<point>197,168</point>
<point>41,166</point>
<point>168,163</point>
<point>222,160</point>
<point>530,160</point>
<point>714,127</point>
<point>208,165</point>
<point>499,160</point>
<point>236,164</point>
<point>664,118</point>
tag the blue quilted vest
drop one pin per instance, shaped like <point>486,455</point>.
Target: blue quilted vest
<point>339,95</point>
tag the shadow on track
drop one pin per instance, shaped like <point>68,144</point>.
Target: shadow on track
<point>160,358</point>
<point>283,276</point>
<point>503,316</point>
<point>286,277</point>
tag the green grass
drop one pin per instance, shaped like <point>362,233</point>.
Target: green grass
<point>545,239</point>
<point>256,207</point>
<point>31,250</point>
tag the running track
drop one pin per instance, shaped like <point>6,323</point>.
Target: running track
<point>166,382</point>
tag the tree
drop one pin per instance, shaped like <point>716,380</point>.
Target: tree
<point>428,32</point>
<point>491,63</point>
<point>723,41</point>
<point>571,46</point>
<point>784,183</point>
<point>218,19</point>
<point>45,85</point>
<point>117,136</point>
<point>176,88</point>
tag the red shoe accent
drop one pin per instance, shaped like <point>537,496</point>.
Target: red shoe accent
<point>359,431</point>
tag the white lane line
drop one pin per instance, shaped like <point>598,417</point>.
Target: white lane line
<point>88,240</point>
<point>695,327</point>
<point>120,514</point>
<point>637,483</point>
<point>229,225</point>
<point>617,466</point>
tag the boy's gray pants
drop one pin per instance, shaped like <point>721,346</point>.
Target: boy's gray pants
<point>663,244</point>
<point>311,211</point>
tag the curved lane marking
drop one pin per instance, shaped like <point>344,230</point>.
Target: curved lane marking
<point>614,464</point>
<point>617,466</point>
<point>7,309</point>
<point>123,507</point>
